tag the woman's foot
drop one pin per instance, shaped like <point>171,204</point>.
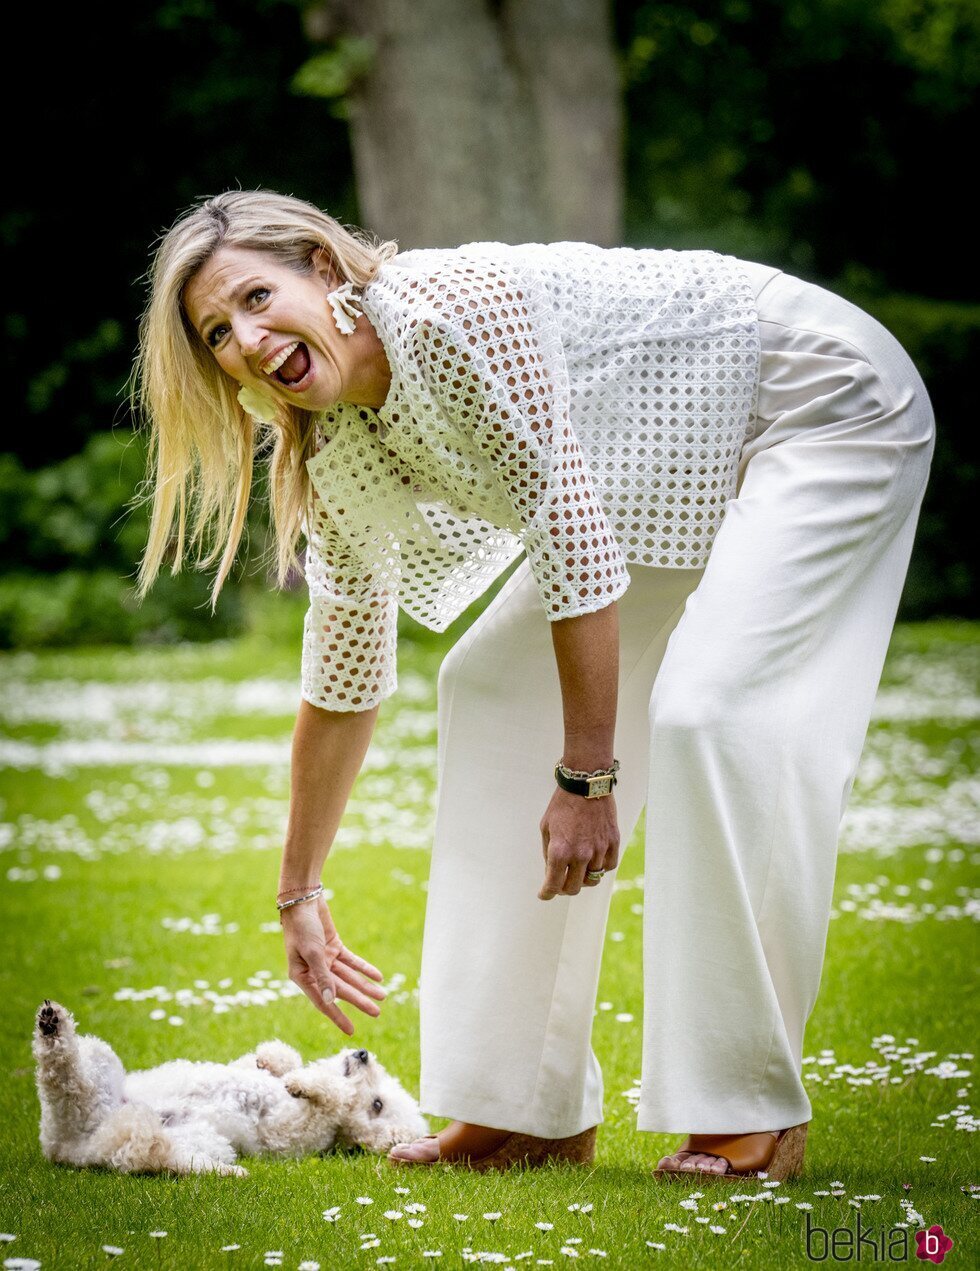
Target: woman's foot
<point>459,1141</point>
<point>693,1161</point>
<point>779,1153</point>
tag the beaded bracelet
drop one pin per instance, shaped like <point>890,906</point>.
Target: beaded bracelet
<point>284,904</point>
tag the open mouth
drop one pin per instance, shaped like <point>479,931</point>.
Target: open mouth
<point>295,371</point>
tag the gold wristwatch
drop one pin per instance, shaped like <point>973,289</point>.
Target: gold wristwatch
<point>592,785</point>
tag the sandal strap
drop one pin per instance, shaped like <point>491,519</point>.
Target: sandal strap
<point>741,1151</point>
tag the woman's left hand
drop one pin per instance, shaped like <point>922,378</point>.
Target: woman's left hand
<point>577,834</point>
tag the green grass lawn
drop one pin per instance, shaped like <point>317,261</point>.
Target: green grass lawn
<point>143,799</point>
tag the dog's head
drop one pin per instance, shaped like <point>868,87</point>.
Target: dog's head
<point>375,1111</point>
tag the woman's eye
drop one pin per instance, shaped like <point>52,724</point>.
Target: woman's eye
<point>214,338</point>
<point>377,1105</point>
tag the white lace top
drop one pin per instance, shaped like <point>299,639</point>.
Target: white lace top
<point>586,405</point>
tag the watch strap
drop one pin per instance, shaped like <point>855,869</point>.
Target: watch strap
<point>591,785</point>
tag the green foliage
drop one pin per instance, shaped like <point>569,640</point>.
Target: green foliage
<point>99,607</point>
<point>333,72</point>
<point>72,543</point>
<point>812,136</point>
<point>940,39</point>
<point>143,108</point>
<point>73,512</point>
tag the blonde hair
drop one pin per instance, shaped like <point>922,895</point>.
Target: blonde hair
<point>203,445</point>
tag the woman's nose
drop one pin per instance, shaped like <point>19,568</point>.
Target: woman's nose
<point>249,338</point>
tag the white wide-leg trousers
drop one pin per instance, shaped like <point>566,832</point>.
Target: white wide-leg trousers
<point>745,693</point>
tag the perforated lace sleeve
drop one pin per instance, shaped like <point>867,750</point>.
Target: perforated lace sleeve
<point>351,628</point>
<point>497,367</point>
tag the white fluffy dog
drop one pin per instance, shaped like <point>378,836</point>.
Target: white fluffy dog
<point>190,1117</point>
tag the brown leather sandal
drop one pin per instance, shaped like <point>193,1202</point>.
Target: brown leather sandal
<point>523,1150</point>
<point>778,1153</point>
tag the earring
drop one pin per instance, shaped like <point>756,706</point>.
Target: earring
<point>260,407</point>
<point>343,304</point>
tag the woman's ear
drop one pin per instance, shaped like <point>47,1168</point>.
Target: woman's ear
<point>324,265</point>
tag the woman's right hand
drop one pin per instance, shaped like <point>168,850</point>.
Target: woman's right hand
<point>324,968</point>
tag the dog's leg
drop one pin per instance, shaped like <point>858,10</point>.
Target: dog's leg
<point>201,1163</point>
<point>199,1149</point>
<point>307,1121</point>
<point>278,1058</point>
<point>321,1086</point>
<point>134,1140</point>
<point>79,1081</point>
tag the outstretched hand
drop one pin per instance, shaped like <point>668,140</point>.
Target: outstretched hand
<point>324,968</point>
<point>577,835</point>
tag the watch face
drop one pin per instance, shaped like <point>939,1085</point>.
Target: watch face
<point>599,786</point>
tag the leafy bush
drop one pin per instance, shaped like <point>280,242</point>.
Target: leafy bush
<point>73,544</point>
<point>99,607</point>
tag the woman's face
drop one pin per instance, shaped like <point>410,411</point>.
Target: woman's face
<point>250,309</point>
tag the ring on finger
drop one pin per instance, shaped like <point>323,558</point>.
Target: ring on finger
<point>594,875</point>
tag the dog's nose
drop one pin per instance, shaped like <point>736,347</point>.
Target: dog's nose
<point>362,1055</point>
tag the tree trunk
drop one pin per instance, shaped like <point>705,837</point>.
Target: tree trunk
<point>484,120</point>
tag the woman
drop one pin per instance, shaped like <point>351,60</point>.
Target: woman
<point>715,469</point>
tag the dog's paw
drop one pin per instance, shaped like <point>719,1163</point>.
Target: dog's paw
<point>53,1021</point>
<point>231,1171</point>
<point>277,1058</point>
<point>296,1085</point>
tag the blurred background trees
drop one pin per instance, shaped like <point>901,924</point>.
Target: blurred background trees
<point>503,122</point>
<point>830,138</point>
